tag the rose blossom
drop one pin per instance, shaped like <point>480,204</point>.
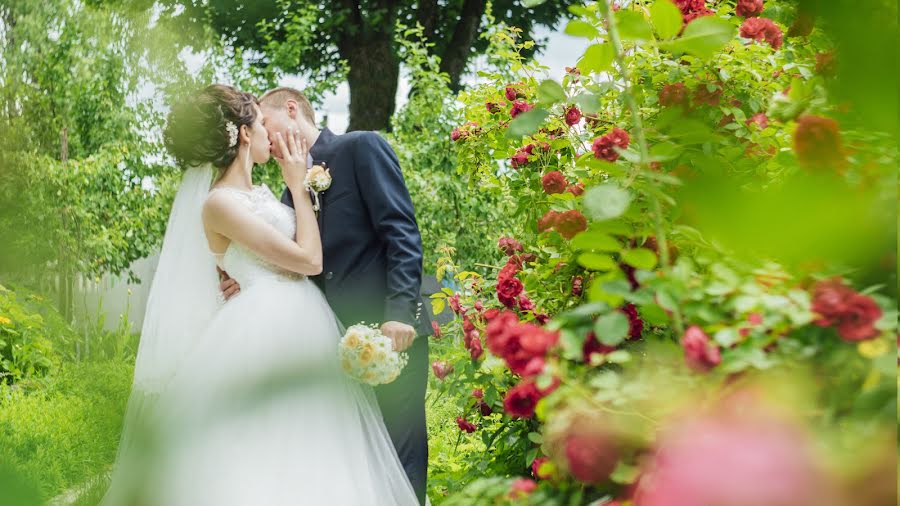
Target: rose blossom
<point>853,313</point>
<point>759,119</point>
<point>520,106</point>
<point>604,146</point>
<point>576,189</point>
<point>521,399</point>
<point>441,369</point>
<point>577,286</point>
<point>762,29</point>
<point>436,329</point>
<point>593,345</point>
<point>554,182</point>
<point>700,354</point>
<point>522,488</point>
<point>573,116</point>
<point>673,95</point>
<point>570,223</point>
<point>748,8</point>
<point>817,142</point>
<point>465,425</point>
<point>475,349</point>
<point>635,324</point>
<point>509,245</point>
<point>548,221</point>
<point>508,289</point>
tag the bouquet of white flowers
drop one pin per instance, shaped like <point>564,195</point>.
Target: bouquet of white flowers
<point>368,356</point>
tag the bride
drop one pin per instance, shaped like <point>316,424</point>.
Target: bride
<point>244,402</point>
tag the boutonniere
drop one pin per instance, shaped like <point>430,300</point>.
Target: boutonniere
<point>318,179</point>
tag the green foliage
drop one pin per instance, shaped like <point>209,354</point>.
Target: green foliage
<point>67,433</point>
<point>32,338</point>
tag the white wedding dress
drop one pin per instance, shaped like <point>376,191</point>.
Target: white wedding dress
<point>258,411</point>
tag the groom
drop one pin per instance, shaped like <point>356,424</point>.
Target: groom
<point>372,259</point>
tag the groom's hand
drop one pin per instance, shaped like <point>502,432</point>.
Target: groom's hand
<point>400,333</point>
<point>227,285</point>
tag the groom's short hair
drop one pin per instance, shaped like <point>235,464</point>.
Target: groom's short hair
<point>279,97</point>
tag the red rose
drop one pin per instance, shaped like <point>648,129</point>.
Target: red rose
<point>576,189</point>
<point>755,319</point>
<point>629,273</point>
<point>852,313</point>
<point>508,289</point>
<point>687,6</point>
<point>673,95</point>
<point>477,393</point>
<point>541,318</point>
<point>509,246</point>
<point>604,146</point>
<point>700,354</point>
<point>456,134</point>
<point>521,488</point>
<point>454,303</point>
<point>525,304</point>
<point>696,14</point>
<point>475,349</point>
<point>573,116</point>
<point>750,457</point>
<point>441,369</point>
<point>520,106</point>
<point>548,221</point>
<point>570,223</point>
<point>465,425</point>
<point>749,8</point>
<point>512,93</point>
<point>762,29</point>
<point>490,314</point>
<point>635,324</point>
<point>817,142</point>
<point>577,286</point>
<point>591,454</point>
<point>554,182</point>
<point>519,159</point>
<point>436,328</point>
<point>760,119</point>
<point>521,400</point>
<point>484,408</point>
<point>593,345</point>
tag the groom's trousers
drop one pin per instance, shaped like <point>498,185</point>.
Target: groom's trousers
<point>402,404</point>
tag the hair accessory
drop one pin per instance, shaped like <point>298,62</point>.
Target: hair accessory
<point>232,130</point>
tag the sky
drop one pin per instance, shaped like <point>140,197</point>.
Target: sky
<point>561,51</point>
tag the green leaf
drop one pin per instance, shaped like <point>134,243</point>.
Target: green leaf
<point>611,328</point>
<point>526,123</point>
<point>588,103</point>
<point>535,437</point>
<point>550,92</point>
<point>606,201</point>
<point>664,151</point>
<point>596,261</point>
<point>666,18</point>
<point>633,26</point>
<point>578,28</point>
<point>593,240</point>
<point>641,258</point>
<point>532,3</point>
<point>597,58</point>
<point>704,37</point>
<point>619,357</point>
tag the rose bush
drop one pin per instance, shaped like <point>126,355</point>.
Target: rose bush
<point>671,249</point>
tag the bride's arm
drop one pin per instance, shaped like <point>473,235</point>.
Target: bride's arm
<point>225,216</point>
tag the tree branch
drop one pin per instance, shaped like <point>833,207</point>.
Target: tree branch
<point>456,53</point>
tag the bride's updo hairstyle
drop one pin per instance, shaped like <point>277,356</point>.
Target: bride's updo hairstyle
<point>204,127</point>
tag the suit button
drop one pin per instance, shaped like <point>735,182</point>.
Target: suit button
<point>329,275</point>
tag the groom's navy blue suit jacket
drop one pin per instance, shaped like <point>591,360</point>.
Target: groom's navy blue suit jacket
<point>372,249</point>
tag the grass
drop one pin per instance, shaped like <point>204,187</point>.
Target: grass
<point>67,433</point>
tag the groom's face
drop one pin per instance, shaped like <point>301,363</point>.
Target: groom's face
<point>278,121</point>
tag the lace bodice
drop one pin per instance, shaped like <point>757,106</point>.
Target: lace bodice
<point>240,262</point>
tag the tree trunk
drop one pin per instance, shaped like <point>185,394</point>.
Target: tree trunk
<point>373,79</point>
<point>456,55</point>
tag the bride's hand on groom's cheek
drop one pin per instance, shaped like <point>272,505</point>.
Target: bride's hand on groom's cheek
<point>293,160</point>
<point>400,333</point>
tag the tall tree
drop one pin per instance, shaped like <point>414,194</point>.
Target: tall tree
<point>333,40</point>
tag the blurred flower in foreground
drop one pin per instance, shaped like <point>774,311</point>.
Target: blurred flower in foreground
<point>741,455</point>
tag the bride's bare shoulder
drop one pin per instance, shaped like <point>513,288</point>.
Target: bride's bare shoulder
<point>223,202</point>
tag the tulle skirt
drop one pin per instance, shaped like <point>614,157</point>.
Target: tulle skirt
<point>260,413</point>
